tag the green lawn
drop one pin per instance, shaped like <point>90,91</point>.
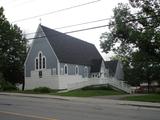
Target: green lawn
<point>84,92</point>
<point>145,98</point>
<point>88,93</point>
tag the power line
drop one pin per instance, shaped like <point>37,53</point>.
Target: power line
<point>68,26</point>
<point>96,27</point>
<point>89,22</point>
<point>85,29</point>
<point>83,23</point>
<point>64,9</point>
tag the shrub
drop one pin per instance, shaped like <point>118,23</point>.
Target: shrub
<point>42,90</point>
<point>6,86</point>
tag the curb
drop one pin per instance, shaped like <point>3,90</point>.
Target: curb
<point>146,106</point>
<point>35,96</point>
<point>140,104</point>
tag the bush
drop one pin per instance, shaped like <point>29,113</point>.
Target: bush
<point>42,90</point>
<point>6,86</point>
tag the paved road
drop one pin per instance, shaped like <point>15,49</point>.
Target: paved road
<point>27,108</point>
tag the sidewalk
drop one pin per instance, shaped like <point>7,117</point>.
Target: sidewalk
<point>88,99</point>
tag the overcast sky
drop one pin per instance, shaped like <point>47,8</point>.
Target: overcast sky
<point>100,9</point>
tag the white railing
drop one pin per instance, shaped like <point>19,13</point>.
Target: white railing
<point>91,81</point>
<point>120,85</point>
<point>99,81</point>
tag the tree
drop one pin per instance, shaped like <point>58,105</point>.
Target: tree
<point>12,50</point>
<point>136,36</point>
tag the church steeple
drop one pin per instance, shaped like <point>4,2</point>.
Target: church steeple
<point>40,20</point>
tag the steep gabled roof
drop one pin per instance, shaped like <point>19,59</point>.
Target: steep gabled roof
<point>111,66</point>
<point>70,49</point>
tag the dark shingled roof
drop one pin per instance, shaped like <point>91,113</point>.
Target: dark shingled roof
<point>96,65</point>
<point>111,66</point>
<point>70,49</point>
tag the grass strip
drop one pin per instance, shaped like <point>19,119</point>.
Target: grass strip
<point>145,98</point>
<point>89,93</point>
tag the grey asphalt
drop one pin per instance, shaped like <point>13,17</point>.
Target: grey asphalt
<point>5,116</point>
<point>45,107</point>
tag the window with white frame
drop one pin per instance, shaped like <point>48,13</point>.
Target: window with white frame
<point>40,74</point>
<point>40,61</point>
<point>65,69</point>
<point>44,62</point>
<point>36,63</point>
<point>76,70</point>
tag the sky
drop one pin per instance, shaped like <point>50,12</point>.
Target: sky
<point>99,9</point>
